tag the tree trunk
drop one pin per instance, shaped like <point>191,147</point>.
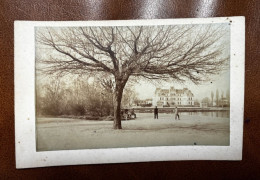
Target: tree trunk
<point>118,94</point>
<point>117,106</point>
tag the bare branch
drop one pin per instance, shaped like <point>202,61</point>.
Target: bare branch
<point>155,52</point>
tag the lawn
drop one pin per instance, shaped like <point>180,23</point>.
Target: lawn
<point>69,134</point>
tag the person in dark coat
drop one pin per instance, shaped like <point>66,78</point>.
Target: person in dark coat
<point>155,112</point>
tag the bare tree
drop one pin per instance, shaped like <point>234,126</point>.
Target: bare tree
<point>228,95</point>
<point>217,97</point>
<point>206,100</point>
<point>177,52</point>
<point>129,96</point>
<point>53,97</point>
<point>212,97</point>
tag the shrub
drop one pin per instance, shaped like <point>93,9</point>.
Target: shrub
<point>78,109</point>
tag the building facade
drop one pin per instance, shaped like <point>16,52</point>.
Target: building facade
<point>173,97</point>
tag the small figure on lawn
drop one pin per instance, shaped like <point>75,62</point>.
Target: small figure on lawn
<point>155,112</point>
<point>133,113</point>
<point>176,111</point>
<point>126,114</point>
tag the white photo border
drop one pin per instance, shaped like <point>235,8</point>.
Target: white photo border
<point>25,135</point>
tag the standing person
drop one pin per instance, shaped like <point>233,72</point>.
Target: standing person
<point>155,112</point>
<point>126,114</point>
<point>177,113</point>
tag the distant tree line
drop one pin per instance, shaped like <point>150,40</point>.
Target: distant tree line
<point>217,99</point>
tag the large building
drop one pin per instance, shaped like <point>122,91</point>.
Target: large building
<point>173,97</point>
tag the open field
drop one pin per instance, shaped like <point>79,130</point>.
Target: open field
<point>68,134</point>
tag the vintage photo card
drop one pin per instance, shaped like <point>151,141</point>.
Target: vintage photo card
<point>89,92</point>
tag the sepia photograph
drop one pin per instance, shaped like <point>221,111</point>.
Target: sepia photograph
<point>132,86</point>
<point>128,91</point>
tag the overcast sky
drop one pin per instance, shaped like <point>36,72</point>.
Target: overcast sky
<point>221,82</point>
